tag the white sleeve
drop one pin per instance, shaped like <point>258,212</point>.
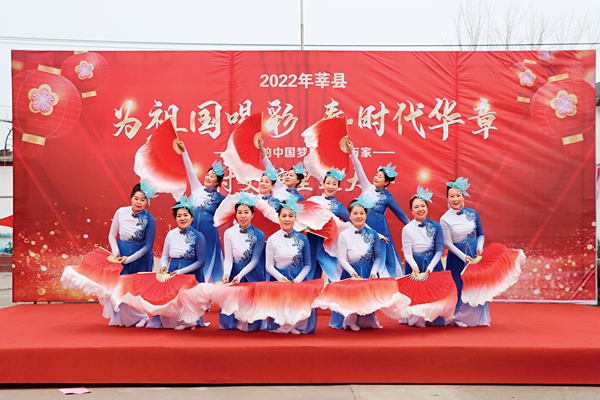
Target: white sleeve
<point>343,255</point>
<point>480,241</point>
<point>407,249</point>
<point>228,262</point>
<point>195,184</point>
<point>270,262</point>
<point>112,234</point>
<point>164,260</point>
<point>449,243</point>
<point>360,172</point>
<point>434,261</point>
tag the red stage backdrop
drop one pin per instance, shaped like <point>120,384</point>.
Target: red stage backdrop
<point>519,125</point>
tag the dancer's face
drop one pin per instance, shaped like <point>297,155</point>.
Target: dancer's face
<point>287,218</point>
<point>291,179</point>
<point>358,217</point>
<point>265,186</point>
<point>456,200</point>
<point>419,209</point>
<point>210,179</point>
<point>243,215</point>
<point>379,180</point>
<point>184,218</point>
<point>330,186</point>
<point>138,202</point>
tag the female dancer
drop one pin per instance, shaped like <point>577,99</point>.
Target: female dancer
<point>268,180</point>
<point>183,253</point>
<point>463,235</point>
<point>136,229</point>
<point>359,255</point>
<point>288,260</point>
<point>292,180</point>
<point>383,201</point>
<point>244,247</point>
<point>423,245</point>
<point>207,199</point>
<point>319,257</point>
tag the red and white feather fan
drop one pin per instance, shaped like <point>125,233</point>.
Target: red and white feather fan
<point>159,161</point>
<point>498,269</point>
<point>361,296</point>
<point>326,140</point>
<point>242,155</point>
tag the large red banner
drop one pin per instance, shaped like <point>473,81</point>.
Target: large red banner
<point>519,125</point>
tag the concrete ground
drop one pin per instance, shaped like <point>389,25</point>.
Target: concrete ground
<point>322,392</point>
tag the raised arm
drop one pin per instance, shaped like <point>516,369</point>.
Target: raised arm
<point>360,172</point>
<point>195,184</point>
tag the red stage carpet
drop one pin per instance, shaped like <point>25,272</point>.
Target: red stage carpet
<point>527,344</point>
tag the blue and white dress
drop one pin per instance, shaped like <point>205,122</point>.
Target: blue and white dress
<point>423,246</point>
<point>136,232</point>
<point>463,235</point>
<point>244,249</point>
<point>358,250</point>
<point>288,254</point>
<point>320,259</point>
<point>376,220</point>
<point>280,191</point>
<point>183,253</point>
<point>206,203</point>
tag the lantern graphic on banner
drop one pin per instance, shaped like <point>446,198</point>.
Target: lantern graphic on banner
<point>565,108</point>
<point>88,71</point>
<point>45,104</point>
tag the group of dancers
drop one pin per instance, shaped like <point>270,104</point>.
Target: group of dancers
<point>296,251</point>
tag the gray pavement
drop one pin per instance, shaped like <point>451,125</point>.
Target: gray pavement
<point>321,392</point>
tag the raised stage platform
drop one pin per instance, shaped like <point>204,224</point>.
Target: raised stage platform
<point>527,344</point>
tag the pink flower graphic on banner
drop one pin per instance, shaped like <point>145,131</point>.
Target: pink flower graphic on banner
<point>42,100</point>
<point>84,70</point>
<point>527,78</point>
<point>564,104</point>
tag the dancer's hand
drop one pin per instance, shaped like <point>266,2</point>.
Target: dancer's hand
<point>373,276</point>
<point>479,252</point>
<point>235,280</point>
<point>181,146</point>
<point>355,275</point>
<point>284,279</point>
<point>385,239</point>
<point>469,259</point>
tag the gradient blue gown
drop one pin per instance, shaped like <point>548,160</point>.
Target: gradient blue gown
<point>288,254</point>
<point>320,259</point>
<point>463,235</point>
<point>206,203</point>
<point>376,219</point>
<point>358,250</point>
<point>244,249</point>
<point>423,245</point>
<point>184,253</point>
<point>136,232</point>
